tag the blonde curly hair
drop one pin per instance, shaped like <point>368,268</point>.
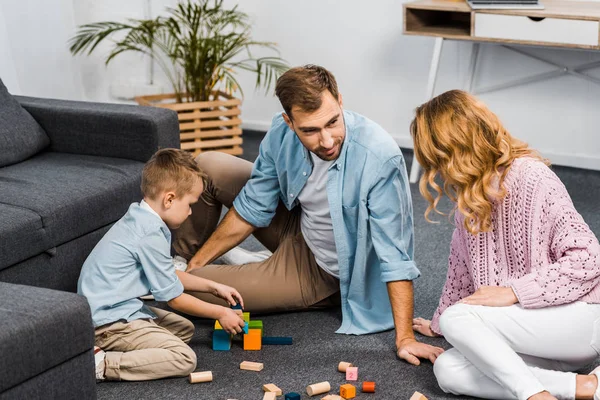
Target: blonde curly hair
<point>458,138</point>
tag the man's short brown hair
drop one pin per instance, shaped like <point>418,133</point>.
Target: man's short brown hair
<point>170,169</point>
<point>302,87</point>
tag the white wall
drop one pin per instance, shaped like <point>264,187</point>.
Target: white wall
<point>381,73</point>
<point>35,41</point>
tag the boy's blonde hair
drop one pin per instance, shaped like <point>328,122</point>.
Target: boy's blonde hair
<point>170,169</point>
<point>457,138</point>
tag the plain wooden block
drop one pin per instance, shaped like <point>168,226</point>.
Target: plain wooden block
<point>342,366</point>
<point>332,397</point>
<point>318,388</point>
<point>270,396</point>
<point>368,387</point>
<point>348,391</point>
<point>198,377</point>
<point>251,366</point>
<point>417,396</point>
<point>253,340</point>
<point>270,387</point>
<point>352,373</point>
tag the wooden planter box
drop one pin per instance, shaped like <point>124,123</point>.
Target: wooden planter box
<point>204,125</point>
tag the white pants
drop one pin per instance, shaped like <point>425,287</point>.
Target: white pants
<point>514,353</point>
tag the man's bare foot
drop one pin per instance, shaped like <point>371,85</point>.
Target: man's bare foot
<point>542,396</point>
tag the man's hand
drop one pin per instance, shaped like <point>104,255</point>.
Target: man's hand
<point>423,326</point>
<point>194,263</point>
<point>227,293</point>
<point>231,321</point>
<point>491,296</point>
<point>411,350</point>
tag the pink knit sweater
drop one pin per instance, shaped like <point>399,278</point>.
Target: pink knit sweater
<point>539,245</point>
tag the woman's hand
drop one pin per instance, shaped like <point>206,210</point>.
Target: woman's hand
<point>423,326</point>
<point>491,296</point>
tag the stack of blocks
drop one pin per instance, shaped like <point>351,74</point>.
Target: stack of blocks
<point>253,335</point>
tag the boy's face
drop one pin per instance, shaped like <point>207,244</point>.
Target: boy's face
<point>178,208</point>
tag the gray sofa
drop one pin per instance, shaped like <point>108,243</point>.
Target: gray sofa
<point>68,171</point>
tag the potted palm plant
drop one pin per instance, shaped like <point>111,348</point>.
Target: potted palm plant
<point>200,45</point>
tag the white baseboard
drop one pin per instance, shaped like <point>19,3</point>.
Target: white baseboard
<point>585,161</point>
<point>256,125</point>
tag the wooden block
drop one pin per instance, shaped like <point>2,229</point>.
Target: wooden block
<point>245,330</point>
<point>252,340</point>
<point>246,316</point>
<point>292,396</point>
<point>251,366</point>
<point>218,325</point>
<point>348,391</point>
<point>270,396</point>
<point>270,387</point>
<point>197,377</point>
<point>352,373</point>
<point>417,396</point>
<point>368,387</point>
<point>256,324</point>
<point>237,307</point>
<point>277,340</point>
<point>221,340</point>
<point>332,397</point>
<point>318,388</point>
<point>342,366</point>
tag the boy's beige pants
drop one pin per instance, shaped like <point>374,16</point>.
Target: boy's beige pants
<point>147,349</point>
<point>290,279</point>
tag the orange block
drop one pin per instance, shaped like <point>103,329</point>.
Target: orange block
<point>368,387</point>
<point>253,340</point>
<point>348,391</point>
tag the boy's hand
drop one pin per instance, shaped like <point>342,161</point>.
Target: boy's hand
<point>227,293</point>
<point>231,321</point>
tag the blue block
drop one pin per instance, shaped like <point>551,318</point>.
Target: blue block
<point>245,328</point>
<point>277,340</point>
<point>221,340</point>
<point>292,396</point>
<point>237,307</point>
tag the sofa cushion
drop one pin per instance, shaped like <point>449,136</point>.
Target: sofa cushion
<point>40,329</point>
<point>72,194</point>
<point>20,135</point>
<point>22,234</point>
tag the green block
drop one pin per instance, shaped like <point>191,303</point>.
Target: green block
<point>256,324</point>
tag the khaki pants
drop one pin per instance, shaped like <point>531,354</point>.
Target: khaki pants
<point>147,349</point>
<point>288,280</point>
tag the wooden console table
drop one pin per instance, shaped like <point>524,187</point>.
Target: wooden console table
<point>562,24</point>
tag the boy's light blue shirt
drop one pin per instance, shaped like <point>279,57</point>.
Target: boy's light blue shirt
<point>370,205</point>
<point>131,260</point>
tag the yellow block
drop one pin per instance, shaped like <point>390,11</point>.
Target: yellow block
<point>218,325</point>
<point>246,317</point>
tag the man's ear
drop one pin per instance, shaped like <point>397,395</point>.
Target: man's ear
<point>340,100</point>
<point>168,199</point>
<point>287,120</point>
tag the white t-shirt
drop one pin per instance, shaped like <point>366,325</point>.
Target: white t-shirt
<point>315,220</point>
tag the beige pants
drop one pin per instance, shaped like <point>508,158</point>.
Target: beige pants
<point>288,280</point>
<point>147,349</point>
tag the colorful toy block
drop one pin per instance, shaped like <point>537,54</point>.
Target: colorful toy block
<point>351,373</point>
<point>256,324</point>
<point>368,387</point>
<point>267,340</point>
<point>348,391</point>
<point>251,366</point>
<point>246,325</point>
<point>318,388</point>
<point>221,340</point>
<point>292,396</point>
<point>252,340</point>
<point>218,325</point>
<point>246,316</point>
<point>238,306</point>
<point>269,387</point>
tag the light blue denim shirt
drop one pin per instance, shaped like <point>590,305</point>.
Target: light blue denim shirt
<point>131,260</point>
<point>370,205</point>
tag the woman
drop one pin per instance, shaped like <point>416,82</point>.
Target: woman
<point>520,303</point>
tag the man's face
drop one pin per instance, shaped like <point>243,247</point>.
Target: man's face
<point>322,131</point>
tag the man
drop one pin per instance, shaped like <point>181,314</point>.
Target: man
<point>328,195</point>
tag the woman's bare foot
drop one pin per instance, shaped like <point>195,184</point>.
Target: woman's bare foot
<point>586,387</point>
<point>542,396</point>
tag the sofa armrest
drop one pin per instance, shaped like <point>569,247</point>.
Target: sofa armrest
<point>101,129</point>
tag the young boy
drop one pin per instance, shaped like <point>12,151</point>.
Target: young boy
<point>132,259</point>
